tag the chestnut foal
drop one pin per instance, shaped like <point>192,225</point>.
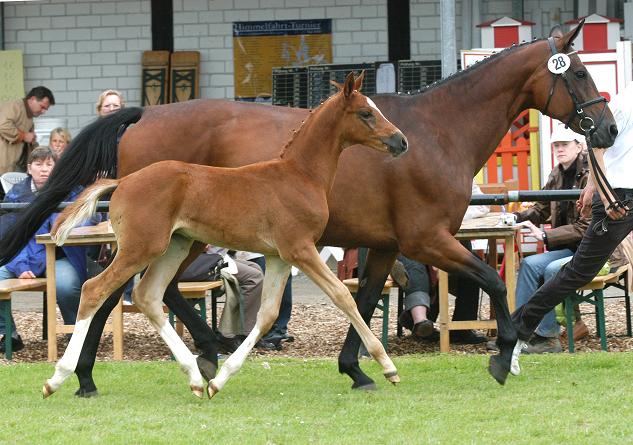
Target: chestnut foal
<point>277,207</point>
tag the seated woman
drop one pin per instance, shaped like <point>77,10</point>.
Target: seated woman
<point>31,261</point>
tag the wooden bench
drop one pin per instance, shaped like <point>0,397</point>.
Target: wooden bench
<point>7,287</point>
<point>352,285</point>
<point>191,290</point>
<point>595,297</point>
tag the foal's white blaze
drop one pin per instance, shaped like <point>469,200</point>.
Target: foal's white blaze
<point>373,105</point>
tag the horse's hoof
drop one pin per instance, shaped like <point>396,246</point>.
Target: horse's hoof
<point>47,390</point>
<point>371,386</point>
<point>83,393</point>
<point>197,391</point>
<point>393,377</point>
<point>212,389</point>
<point>498,369</point>
<point>207,368</point>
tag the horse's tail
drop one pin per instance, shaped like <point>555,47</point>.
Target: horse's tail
<point>81,210</point>
<point>91,155</point>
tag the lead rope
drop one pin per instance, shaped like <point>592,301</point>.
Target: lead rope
<point>601,228</point>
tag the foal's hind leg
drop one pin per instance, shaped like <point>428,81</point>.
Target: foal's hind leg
<point>275,279</point>
<point>310,263</point>
<point>148,297</point>
<point>93,294</point>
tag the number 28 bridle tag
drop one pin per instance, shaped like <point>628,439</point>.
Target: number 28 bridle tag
<point>559,63</point>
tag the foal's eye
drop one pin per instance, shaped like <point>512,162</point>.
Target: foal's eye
<point>365,114</point>
<point>580,74</point>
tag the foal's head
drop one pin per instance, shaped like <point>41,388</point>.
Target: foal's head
<point>364,123</point>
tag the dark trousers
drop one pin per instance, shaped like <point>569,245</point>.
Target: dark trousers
<point>594,250</point>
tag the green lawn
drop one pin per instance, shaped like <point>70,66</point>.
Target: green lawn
<point>583,398</point>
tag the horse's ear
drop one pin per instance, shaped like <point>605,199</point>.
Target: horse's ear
<point>358,83</point>
<point>569,38</point>
<point>348,88</point>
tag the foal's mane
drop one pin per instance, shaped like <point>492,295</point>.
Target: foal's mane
<point>467,71</point>
<point>296,132</point>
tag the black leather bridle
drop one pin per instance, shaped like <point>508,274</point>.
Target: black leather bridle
<point>588,127</point>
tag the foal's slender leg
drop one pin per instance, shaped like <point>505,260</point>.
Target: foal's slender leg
<point>147,296</point>
<point>93,294</point>
<point>372,281</point>
<point>275,279</point>
<point>314,267</point>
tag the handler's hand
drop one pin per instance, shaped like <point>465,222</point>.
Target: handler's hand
<point>614,213</point>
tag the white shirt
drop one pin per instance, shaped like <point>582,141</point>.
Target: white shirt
<point>618,159</point>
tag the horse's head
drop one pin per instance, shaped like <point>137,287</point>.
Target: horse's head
<point>565,91</point>
<point>363,121</point>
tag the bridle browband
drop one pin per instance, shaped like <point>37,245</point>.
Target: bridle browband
<point>588,127</point>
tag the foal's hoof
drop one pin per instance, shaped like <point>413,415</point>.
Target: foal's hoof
<point>212,389</point>
<point>393,377</point>
<point>197,391</point>
<point>207,368</point>
<point>86,394</point>
<point>47,390</point>
<point>498,369</point>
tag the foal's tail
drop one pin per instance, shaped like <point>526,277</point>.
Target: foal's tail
<point>81,210</point>
<point>91,155</point>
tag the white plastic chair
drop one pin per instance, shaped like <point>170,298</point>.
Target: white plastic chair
<point>9,179</point>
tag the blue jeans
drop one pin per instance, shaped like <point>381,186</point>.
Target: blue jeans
<point>535,270</point>
<point>68,292</point>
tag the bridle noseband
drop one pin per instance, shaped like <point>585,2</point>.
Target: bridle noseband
<point>588,127</point>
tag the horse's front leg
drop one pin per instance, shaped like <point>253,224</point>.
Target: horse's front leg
<point>371,283</point>
<point>312,265</point>
<point>275,278</point>
<point>449,255</point>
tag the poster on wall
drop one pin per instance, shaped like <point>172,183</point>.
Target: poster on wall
<point>11,75</point>
<point>258,47</point>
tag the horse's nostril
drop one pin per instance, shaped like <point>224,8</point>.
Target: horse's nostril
<point>613,130</point>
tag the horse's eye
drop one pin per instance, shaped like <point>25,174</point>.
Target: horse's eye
<point>580,74</point>
<point>365,114</point>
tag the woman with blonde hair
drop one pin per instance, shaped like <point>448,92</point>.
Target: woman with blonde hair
<point>59,140</point>
<point>109,101</point>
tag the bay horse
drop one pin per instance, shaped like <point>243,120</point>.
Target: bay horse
<point>276,207</point>
<point>413,204</point>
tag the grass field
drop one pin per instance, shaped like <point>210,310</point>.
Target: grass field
<point>583,398</point>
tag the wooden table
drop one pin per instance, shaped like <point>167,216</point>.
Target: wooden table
<point>488,228</point>
<point>80,236</point>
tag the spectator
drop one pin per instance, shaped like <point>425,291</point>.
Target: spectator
<point>70,265</point>
<point>16,126</point>
<point>109,101</point>
<point>561,240</point>
<point>59,140</point>
<point>417,317</point>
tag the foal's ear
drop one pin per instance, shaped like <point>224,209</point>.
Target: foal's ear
<point>358,83</point>
<point>569,38</point>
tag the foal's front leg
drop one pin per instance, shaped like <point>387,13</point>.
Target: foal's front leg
<point>275,279</point>
<point>309,261</point>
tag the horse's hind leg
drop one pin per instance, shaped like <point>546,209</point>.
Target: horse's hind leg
<point>93,294</point>
<point>275,279</point>
<point>371,283</point>
<point>147,296</point>
<point>308,260</point>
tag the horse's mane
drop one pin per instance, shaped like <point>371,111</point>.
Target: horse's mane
<point>467,71</point>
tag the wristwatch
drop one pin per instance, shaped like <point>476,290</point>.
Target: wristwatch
<point>545,238</point>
